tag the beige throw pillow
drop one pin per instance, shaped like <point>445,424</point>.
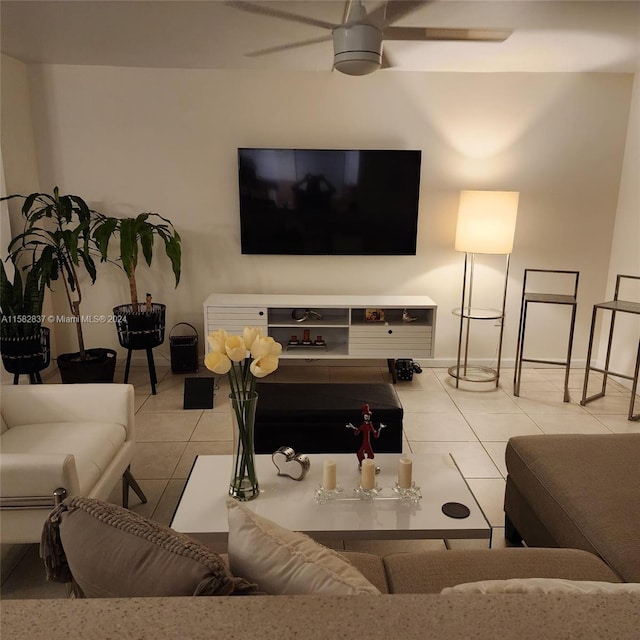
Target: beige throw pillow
<point>284,562</point>
<point>542,586</point>
<point>112,552</point>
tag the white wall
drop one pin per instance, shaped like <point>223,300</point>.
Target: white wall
<point>130,140</point>
<point>17,154</point>
<point>625,253</point>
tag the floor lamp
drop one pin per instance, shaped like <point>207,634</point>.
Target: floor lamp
<point>486,224</point>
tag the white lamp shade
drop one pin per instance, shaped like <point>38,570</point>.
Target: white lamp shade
<point>486,221</point>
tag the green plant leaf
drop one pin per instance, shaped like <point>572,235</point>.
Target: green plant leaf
<point>174,252</point>
<point>128,246</point>
<point>102,234</point>
<point>145,234</point>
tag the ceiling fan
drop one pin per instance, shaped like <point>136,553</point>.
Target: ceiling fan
<point>357,40</point>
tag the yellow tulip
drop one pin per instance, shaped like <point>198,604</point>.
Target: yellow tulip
<point>250,334</point>
<point>265,346</point>
<point>217,362</point>
<point>264,365</point>
<point>217,339</point>
<point>236,348</point>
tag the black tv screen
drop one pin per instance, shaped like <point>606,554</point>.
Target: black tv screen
<point>328,202</point>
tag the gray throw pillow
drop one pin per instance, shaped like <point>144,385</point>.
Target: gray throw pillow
<point>111,552</point>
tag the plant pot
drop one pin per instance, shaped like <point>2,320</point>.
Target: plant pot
<point>26,354</point>
<point>98,366</point>
<point>140,329</point>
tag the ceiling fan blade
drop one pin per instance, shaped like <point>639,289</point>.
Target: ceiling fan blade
<point>421,33</point>
<point>387,63</point>
<point>286,47</point>
<point>263,10</point>
<point>389,12</point>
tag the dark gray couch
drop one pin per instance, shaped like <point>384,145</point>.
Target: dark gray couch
<point>577,491</point>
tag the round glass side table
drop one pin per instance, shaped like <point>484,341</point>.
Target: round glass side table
<point>462,370</point>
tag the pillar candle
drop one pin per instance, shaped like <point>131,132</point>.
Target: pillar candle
<point>404,473</point>
<point>368,474</point>
<point>329,475</point>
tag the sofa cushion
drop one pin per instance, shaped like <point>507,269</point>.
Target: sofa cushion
<point>112,552</point>
<point>543,585</point>
<point>93,444</point>
<point>585,489</point>
<point>431,572</point>
<point>284,562</point>
<point>370,565</point>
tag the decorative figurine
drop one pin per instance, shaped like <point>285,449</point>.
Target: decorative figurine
<point>367,429</point>
<point>291,464</point>
<point>407,317</point>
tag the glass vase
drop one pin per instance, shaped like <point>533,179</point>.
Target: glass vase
<point>243,485</point>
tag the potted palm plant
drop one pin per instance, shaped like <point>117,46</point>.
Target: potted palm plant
<point>140,325</point>
<point>24,342</point>
<point>58,236</point>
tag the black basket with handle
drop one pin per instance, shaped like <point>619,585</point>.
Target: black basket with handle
<point>184,350</point>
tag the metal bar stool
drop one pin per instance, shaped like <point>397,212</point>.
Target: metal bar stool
<point>615,306</point>
<point>529,297</point>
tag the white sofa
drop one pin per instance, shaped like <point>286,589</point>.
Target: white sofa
<point>64,439</point>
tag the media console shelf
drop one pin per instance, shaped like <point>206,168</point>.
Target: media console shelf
<point>337,326</point>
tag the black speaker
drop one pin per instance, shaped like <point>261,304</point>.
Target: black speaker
<point>404,369</point>
<point>198,393</point>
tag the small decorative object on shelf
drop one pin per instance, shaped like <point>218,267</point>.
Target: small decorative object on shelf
<point>307,342</point>
<point>374,315</point>
<point>407,317</point>
<point>308,314</point>
<point>291,464</point>
<point>243,358</point>
<point>367,429</point>
<point>310,346</point>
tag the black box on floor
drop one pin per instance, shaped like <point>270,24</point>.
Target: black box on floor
<point>198,393</point>
<point>312,417</point>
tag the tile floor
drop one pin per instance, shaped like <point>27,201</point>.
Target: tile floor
<point>473,424</point>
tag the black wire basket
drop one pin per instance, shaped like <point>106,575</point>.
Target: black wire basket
<point>26,354</point>
<point>142,329</point>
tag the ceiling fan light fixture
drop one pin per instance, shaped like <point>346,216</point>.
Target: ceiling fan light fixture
<point>357,63</point>
<point>357,49</point>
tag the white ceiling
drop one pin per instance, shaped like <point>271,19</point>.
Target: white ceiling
<point>549,35</point>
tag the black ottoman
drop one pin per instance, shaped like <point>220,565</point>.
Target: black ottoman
<point>312,418</point>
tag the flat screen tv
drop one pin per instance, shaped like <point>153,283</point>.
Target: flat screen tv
<point>328,202</point>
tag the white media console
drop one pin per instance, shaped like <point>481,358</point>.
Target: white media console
<point>337,326</point>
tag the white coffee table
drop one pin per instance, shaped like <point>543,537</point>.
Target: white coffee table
<point>202,514</point>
